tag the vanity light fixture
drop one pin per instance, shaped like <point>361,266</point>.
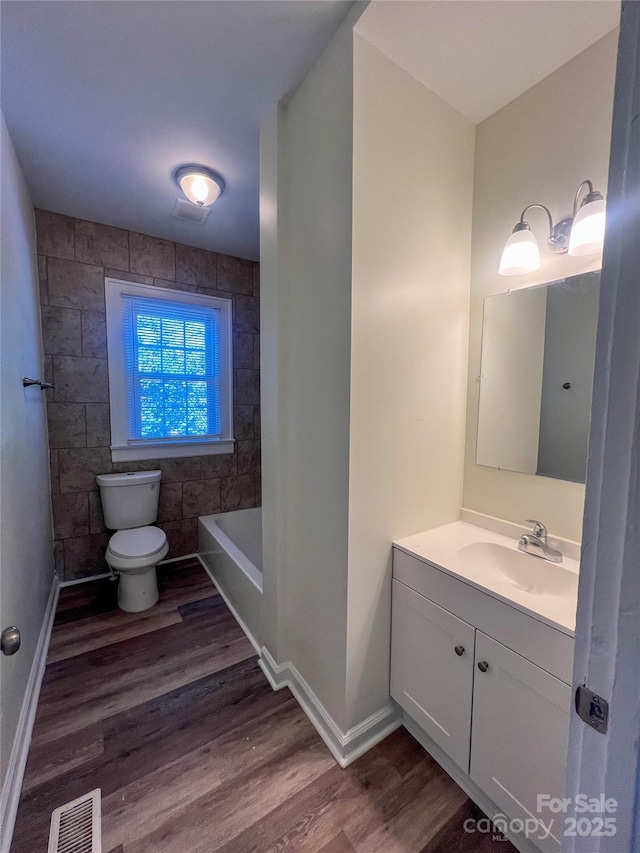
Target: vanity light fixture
<point>580,234</point>
<point>587,231</point>
<point>201,186</point>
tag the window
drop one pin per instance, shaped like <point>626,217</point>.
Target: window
<point>170,375</point>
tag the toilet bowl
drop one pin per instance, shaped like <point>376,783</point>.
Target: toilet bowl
<point>130,506</point>
<point>134,554</point>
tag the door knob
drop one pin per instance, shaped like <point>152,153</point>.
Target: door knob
<point>10,640</point>
<point>483,666</point>
<point>459,650</point>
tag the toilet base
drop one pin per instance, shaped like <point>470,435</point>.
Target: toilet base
<point>137,592</point>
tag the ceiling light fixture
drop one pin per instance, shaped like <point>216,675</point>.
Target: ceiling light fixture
<point>581,234</point>
<point>201,186</point>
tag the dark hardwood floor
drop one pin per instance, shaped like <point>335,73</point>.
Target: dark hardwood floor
<point>168,713</point>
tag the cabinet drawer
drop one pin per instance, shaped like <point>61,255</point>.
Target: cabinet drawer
<point>430,679</point>
<point>540,643</point>
<point>520,734</point>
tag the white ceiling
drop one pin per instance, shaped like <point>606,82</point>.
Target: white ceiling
<point>105,99</point>
<point>478,55</point>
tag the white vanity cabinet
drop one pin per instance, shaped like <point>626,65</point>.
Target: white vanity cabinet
<point>487,683</point>
<point>520,733</point>
<point>432,670</point>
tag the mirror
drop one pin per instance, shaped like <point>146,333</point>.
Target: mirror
<point>538,353</point>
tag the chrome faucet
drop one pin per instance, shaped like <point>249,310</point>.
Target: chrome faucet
<point>536,543</point>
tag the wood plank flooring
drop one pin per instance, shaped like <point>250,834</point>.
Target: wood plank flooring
<point>169,714</point>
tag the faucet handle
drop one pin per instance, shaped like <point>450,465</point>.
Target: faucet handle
<point>539,529</point>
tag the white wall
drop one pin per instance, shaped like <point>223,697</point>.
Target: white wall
<point>26,535</point>
<point>412,201</point>
<point>272,412</point>
<point>306,269</point>
<point>536,149</point>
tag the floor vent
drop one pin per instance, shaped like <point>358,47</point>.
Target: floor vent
<point>75,827</point>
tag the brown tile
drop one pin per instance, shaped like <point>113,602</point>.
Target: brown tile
<point>48,377</point>
<point>177,285</point>
<point>219,465</point>
<point>73,285</point>
<point>54,471</point>
<point>256,279</point>
<point>182,537</point>
<point>42,280</point>
<point>145,465</point>
<point>152,256</point>
<point>170,503</point>
<point>58,558</point>
<point>94,335</point>
<point>195,266</point>
<point>84,556</point>
<point>175,470</point>
<point>248,457</point>
<point>123,275</point>
<point>237,493</point>
<point>96,518</point>
<point>55,233</point>
<point>70,515</point>
<point>67,425</point>
<point>247,387</point>
<point>98,426</point>
<point>257,422</point>
<point>102,244</point>
<point>235,275</point>
<point>242,349</point>
<point>61,331</point>
<point>247,314</point>
<point>80,380</point>
<point>256,352</point>
<point>200,497</point>
<point>78,468</point>
<point>243,422</point>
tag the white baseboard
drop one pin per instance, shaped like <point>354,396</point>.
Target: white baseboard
<point>523,845</point>
<point>102,575</point>
<point>22,740</point>
<point>243,625</point>
<point>344,746</point>
<point>88,579</point>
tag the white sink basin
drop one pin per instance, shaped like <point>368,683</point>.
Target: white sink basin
<point>524,571</point>
<point>492,562</point>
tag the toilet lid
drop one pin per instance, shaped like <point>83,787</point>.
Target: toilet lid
<point>137,542</point>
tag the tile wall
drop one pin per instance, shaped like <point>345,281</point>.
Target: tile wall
<point>74,256</point>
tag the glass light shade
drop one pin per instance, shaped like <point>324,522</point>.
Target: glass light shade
<point>202,187</point>
<point>587,231</point>
<point>520,254</point>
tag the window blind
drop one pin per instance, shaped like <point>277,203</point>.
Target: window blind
<point>173,370</point>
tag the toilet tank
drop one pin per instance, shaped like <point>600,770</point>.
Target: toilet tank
<point>129,500</point>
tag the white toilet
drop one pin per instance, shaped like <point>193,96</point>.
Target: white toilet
<point>130,505</point>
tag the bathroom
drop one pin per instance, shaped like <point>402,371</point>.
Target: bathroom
<point>351,313</point>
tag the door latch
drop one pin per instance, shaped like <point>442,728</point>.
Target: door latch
<point>592,708</point>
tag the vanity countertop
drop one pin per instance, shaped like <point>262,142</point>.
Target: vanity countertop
<point>492,563</point>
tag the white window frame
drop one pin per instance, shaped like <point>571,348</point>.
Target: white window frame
<point>123,447</point>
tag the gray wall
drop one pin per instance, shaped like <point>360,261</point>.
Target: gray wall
<point>569,354</point>
<point>26,535</point>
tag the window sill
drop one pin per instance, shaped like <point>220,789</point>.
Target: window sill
<point>140,452</point>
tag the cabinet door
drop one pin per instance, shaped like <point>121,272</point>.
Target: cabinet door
<point>520,733</point>
<point>432,682</point>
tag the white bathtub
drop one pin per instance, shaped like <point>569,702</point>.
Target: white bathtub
<point>230,543</point>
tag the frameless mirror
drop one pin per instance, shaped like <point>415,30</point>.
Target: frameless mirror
<point>538,353</point>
